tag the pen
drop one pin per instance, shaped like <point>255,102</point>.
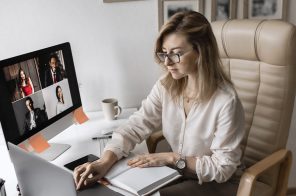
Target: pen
<point>102,137</point>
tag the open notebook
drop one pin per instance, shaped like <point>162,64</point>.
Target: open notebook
<point>140,181</point>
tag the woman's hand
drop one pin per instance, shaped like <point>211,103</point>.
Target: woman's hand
<point>153,160</point>
<point>89,173</point>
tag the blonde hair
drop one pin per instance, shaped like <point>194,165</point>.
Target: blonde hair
<point>197,30</point>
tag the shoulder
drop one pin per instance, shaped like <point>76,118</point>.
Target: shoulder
<point>229,102</point>
<point>158,85</point>
<point>226,95</point>
<point>58,69</point>
<point>226,91</point>
<point>157,91</point>
<point>37,110</point>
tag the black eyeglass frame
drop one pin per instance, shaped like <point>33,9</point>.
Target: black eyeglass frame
<point>173,57</point>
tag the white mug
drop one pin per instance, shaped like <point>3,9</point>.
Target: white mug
<point>111,109</point>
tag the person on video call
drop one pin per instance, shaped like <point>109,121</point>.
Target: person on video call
<point>53,74</point>
<point>196,106</point>
<point>61,103</point>
<point>25,84</point>
<point>34,116</point>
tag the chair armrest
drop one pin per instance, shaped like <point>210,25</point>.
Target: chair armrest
<point>153,140</point>
<point>281,157</point>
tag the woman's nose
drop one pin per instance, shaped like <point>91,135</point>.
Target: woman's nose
<point>167,61</point>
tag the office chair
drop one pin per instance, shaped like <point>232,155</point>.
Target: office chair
<point>260,58</point>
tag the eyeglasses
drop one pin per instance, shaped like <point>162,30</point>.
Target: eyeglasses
<point>173,57</point>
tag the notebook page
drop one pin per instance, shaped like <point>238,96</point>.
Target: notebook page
<point>120,167</point>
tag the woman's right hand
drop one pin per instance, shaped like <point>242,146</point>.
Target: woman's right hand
<point>89,173</point>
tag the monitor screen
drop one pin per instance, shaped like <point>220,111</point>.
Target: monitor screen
<point>37,89</point>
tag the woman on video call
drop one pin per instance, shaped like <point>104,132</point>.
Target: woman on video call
<point>25,84</point>
<point>196,106</point>
<point>61,103</point>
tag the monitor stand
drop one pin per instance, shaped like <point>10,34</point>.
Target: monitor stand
<point>54,151</point>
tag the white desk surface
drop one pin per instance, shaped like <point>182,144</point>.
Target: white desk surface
<point>78,136</point>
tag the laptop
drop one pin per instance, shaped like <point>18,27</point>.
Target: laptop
<point>38,177</point>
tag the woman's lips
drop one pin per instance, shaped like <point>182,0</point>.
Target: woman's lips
<point>173,70</point>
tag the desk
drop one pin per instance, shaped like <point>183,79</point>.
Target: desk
<point>79,137</point>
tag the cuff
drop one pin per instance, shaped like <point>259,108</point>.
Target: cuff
<point>116,151</point>
<point>198,170</point>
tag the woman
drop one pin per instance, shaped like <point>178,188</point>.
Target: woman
<point>61,103</point>
<point>25,84</point>
<point>197,108</point>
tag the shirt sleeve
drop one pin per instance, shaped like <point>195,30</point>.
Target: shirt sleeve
<point>225,147</point>
<point>139,126</point>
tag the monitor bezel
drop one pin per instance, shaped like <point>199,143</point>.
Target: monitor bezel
<point>7,116</point>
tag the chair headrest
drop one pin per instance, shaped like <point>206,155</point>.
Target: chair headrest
<point>255,40</point>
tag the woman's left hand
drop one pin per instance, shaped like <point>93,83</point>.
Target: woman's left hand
<point>153,160</point>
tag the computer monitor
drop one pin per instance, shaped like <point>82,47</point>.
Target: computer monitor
<point>37,89</point>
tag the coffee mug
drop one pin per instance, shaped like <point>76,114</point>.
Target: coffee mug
<point>110,108</point>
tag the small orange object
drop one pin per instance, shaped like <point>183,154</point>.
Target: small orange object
<point>80,116</point>
<point>38,143</point>
<point>22,146</point>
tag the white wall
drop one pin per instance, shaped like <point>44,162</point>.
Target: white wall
<point>112,44</point>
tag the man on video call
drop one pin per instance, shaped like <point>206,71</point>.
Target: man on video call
<point>34,116</point>
<point>53,74</point>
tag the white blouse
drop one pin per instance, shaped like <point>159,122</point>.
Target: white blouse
<point>60,107</point>
<point>212,131</point>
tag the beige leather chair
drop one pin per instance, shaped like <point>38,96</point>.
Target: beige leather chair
<point>260,58</point>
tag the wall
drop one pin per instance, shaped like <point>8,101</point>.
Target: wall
<point>112,44</point>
